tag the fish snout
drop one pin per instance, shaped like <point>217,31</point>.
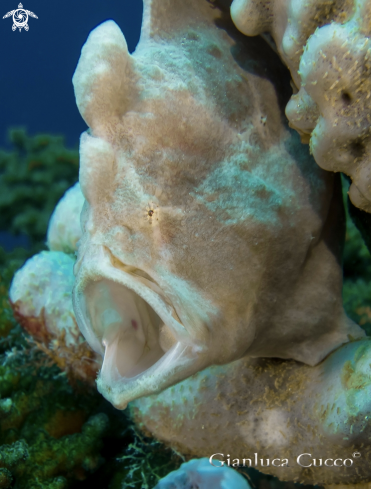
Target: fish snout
<point>127,319</point>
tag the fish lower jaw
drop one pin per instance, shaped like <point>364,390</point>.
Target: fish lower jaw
<point>131,323</point>
<point>120,390</point>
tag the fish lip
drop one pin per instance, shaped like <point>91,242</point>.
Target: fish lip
<point>120,392</point>
<point>102,268</point>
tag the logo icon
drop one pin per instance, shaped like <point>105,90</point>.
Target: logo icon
<point>20,18</point>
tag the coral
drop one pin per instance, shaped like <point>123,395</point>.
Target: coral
<point>33,177</point>
<point>64,229</point>
<point>227,267</point>
<point>289,22</point>
<point>37,465</point>
<point>327,49</point>
<point>46,436</point>
<point>340,137</point>
<point>41,299</point>
<point>33,294</point>
<point>44,428</point>
<point>201,474</point>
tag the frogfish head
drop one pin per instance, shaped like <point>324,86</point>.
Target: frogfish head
<point>205,223</point>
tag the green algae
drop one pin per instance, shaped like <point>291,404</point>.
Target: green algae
<point>147,461</point>
<point>49,434</point>
<point>34,175</point>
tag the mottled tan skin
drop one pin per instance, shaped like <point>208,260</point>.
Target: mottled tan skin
<point>245,233</point>
<point>194,183</point>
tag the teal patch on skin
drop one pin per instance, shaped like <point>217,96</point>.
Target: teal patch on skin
<point>253,197</point>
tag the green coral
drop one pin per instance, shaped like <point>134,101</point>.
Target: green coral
<point>34,175</point>
<point>49,434</point>
<point>52,437</point>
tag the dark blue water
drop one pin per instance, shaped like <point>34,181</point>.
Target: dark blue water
<point>37,66</point>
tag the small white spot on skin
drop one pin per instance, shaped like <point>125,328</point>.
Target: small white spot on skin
<point>268,428</point>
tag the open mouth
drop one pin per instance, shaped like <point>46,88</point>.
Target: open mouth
<point>126,318</point>
<point>133,335</point>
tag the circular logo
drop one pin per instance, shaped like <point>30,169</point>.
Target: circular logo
<point>20,18</point>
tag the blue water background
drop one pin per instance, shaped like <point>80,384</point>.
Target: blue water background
<point>37,66</point>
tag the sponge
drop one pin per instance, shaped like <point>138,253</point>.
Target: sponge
<point>326,46</point>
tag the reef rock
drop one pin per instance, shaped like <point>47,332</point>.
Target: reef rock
<point>300,423</point>
<point>64,230</point>
<point>326,46</point>
<point>41,297</point>
<point>209,234</point>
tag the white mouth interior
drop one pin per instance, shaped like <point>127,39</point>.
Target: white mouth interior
<point>134,337</point>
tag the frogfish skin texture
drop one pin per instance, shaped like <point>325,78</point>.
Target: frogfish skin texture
<point>209,233</point>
